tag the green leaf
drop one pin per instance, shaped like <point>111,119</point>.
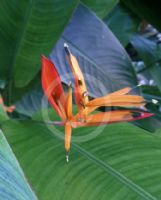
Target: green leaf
<point>150,52</point>
<point>149,124</point>
<point>104,62</point>
<point>155,71</point>
<point>3,114</point>
<point>101,8</point>
<point>118,161</point>
<point>12,94</point>
<point>149,93</point>
<point>158,133</point>
<point>31,102</point>
<point>122,22</point>
<point>152,92</point>
<point>2,84</point>
<point>13,184</point>
<point>28,29</point>
<point>147,10</point>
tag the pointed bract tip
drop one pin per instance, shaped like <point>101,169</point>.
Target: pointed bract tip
<point>44,58</point>
<point>70,84</point>
<point>139,85</point>
<point>66,48</point>
<point>154,101</point>
<point>65,45</point>
<point>67,157</point>
<point>141,115</point>
<point>146,115</point>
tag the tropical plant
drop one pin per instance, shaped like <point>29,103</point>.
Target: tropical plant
<point>117,45</point>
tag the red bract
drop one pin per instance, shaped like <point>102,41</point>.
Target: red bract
<point>62,102</point>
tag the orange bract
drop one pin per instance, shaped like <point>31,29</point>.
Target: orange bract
<point>62,102</point>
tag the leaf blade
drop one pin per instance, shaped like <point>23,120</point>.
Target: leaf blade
<point>118,160</point>
<point>35,28</point>
<point>13,184</point>
<point>102,65</point>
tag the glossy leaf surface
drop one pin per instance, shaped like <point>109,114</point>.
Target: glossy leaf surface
<point>13,184</point>
<point>28,29</point>
<point>103,61</point>
<point>117,161</point>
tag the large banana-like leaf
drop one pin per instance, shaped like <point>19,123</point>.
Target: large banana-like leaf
<point>122,22</point>
<point>147,10</point>
<point>13,184</point>
<point>3,114</point>
<point>28,29</point>
<point>118,161</point>
<point>102,8</point>
<point>31,102</point>
<point>150,52</point>
<point>104,62</point>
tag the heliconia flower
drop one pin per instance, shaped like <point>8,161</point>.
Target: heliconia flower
<point>8,109</point>
<point>61,101</point>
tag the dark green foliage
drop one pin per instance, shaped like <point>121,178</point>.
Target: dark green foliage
<point>119,161</point>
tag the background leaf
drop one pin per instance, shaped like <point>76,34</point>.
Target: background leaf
<point>103,60</point>
<point>13,184</point>
<point>122,22</point>
<point>12,94</point>
<point>31,102</point>
<point>3,114</point>
<point>155,71</point>
<point>150,52</point>
<point>121,162</point>
<point>148,10</point>
<point>2,84</point>
<point>28,29</point>
<point>101,8</point>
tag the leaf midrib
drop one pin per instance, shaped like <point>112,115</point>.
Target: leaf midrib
<point>106,167</point>
<point>21,34</point>
<point>110,170</point>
